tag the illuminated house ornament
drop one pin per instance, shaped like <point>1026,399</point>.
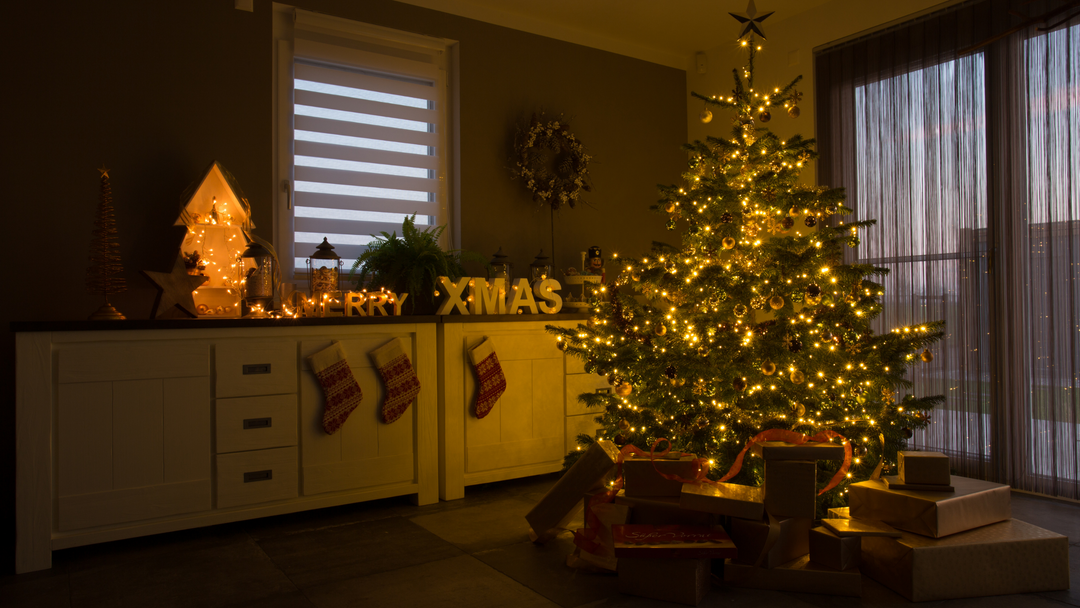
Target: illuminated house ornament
<point>218,220</point>
<point>324,271</point>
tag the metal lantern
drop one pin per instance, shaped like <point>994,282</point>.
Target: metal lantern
<point>324,271</point>
<point>257,280</point>
<point>540,269</point>
<point>501,268</point>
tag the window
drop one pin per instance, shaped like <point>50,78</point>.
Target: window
<point>363,134</point>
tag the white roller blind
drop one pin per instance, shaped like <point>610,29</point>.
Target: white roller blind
<point>368,134</point>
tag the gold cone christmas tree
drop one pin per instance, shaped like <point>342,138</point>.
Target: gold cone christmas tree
<point>105,274</point>
<point>754,322</point>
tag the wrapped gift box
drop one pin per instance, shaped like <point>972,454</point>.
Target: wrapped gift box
<point>801,575</point>
<point>791,488</point>
<point>563,500</point>
<point>975,503</point>
<point>685,581</point>
<point>607,514</point>
<point>840,513</point>
<point>747,502</point>
<point>661,510</point>
<point>811,450</point>
<point>834,552</point>
<point>672,542</point>
<point>894,483</point>
<point>1003,558</point>
<point>923,468</point>
<point>641,476</point>
<point>750,537</point>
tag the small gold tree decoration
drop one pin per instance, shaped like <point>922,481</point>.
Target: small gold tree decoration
<point>105,275</point>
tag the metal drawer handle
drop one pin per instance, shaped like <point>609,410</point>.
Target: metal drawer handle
<point>258,423</point>
<point>266,475</point>
<point>256,368</point>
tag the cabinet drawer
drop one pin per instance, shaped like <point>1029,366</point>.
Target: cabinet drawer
<point>248,368</point>
<point>255,423</point>
<point>247,478</point>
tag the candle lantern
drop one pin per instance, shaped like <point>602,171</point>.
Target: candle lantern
<point>257,279</point>
<point>324,271</point>
<point>501,268</point>
<point>540,269</point>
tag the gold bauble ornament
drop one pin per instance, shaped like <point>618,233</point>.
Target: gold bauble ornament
<point>623,425</point>
<point>793,212</point>
<point>776,302</point>
<point>611,379</point>
<point>680,381</point>
<point>768,368</point>
<point>927,356</point>
<point>728,243</point>
<point>739,310</point>
<point>757,302</point>
<point>624,389</point>
<point>670,207</point>
<point>764,116</point>
<point>800,410</point>
<point>705,116</point>
<point>798,377</point>
<point>659,330</point>
<point>813,300</point>
<point>794,111</point>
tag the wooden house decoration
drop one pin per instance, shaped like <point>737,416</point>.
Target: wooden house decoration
<point>218,220</point>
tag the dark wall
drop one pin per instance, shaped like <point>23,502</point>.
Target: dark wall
<point>156,90</point>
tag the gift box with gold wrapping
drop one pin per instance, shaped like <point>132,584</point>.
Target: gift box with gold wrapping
<point>685,581</point>
<point>1002,558</point>
<point>672,542</point>
<point>811,450</point>
<point>791,488</point>
<point>641,474</point>
<point>975,503</point>
<point>659,510</point>
<point>747,502</point>
<point>751,536</point>
<point>800,575</point>
<point>832,551</point>
<point>563,500</point>
<point>923,468</point>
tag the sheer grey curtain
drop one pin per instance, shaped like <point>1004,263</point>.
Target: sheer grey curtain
<point>969,160</point>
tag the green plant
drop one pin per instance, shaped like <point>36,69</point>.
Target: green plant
<point>410,264</point>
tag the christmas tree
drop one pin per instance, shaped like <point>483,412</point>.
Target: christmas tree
<point>103,277</point>
<point>754,322</point>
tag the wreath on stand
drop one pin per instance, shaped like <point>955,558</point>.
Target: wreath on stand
<point>552,162</point>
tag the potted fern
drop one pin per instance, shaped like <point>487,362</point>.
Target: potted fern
<point>410,264</point>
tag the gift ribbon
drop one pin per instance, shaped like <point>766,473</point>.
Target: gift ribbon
<point>876,475</point>
<point>796,438</point>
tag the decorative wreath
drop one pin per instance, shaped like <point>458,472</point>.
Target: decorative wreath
<point>552,162</point>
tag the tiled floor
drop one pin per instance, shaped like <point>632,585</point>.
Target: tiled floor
<point>472,552</point>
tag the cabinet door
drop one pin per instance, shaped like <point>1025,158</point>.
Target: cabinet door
<point>365,452</point>
<point>132,448</point>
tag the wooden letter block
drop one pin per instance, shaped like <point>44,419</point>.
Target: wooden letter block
<point>791,488</point>
<point>563,500</point>
<point>832,551</point>
<point>923,468</point>
<point>685,581</point>
<point>642,479</point>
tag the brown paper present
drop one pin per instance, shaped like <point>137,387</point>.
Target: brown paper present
<point>747,502</point>
<point>607,514</point>
<point>894,483</point>
<point>791,488</point>
<point>832,551</point>
<point>660,510</point>
<point>811,450</point>
<point>563,500</point>
<point>672,542</point>
<point>640,476</point>
<point>801,575</point>
<point>923,468</point>
<point>750,537</point>
<point>1003,558</point>
<point>975,503</point>
<point>840,513</point>
<point>685,581</point>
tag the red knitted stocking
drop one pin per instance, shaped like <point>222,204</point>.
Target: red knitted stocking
<point>340,388</point>
<point>490,375</point>
<point>402,385</point>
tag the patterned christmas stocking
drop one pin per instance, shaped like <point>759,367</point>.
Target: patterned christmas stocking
<point>398,375</point>
<point>490,375</point>
<point>339,386</point>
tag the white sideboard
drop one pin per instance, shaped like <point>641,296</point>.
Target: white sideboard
<point>123,433</point>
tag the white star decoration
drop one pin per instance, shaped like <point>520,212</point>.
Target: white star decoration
<point>751,21</point>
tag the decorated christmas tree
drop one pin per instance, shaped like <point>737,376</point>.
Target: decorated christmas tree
<point>753,322</point>
<point>104,276</point>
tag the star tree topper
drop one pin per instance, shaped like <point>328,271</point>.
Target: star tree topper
<point>751,21</point>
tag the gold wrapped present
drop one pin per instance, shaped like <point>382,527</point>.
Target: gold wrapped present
<point>751,536</point>
<point>563,500</point>
<point>923,468</point>
<point>975,503</point>
<point>747,502</point>
<point>801,575</point>
<point>811,450</point>
<point>1003,558</point>
<point>791,488</point>
<point>660,510</point>
<point>685,581</point>
<point>832,551</point>
<point>641,475</point>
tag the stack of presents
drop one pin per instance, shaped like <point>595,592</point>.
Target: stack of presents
<point>924,533</point>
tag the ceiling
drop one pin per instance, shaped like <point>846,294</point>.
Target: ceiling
<point>668,32</point>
